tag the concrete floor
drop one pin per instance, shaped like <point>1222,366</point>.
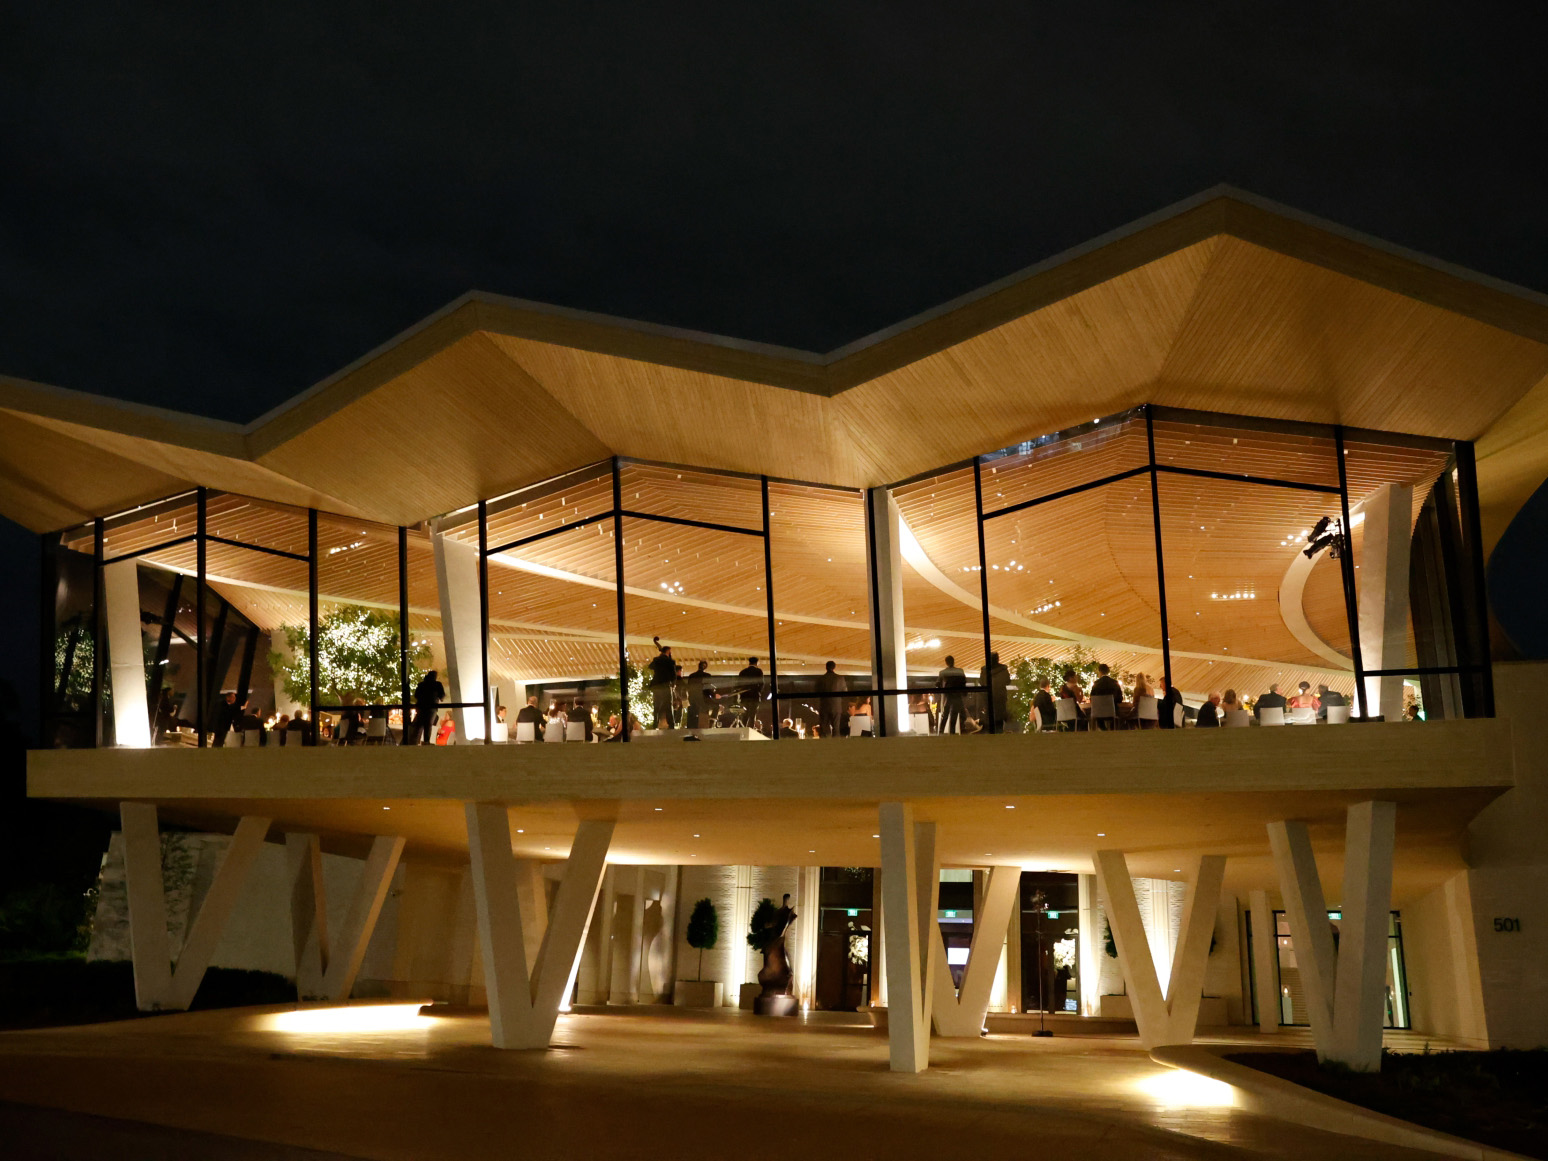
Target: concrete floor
<point>624,1083</point>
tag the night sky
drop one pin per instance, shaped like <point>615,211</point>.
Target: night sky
<point>211,210</point>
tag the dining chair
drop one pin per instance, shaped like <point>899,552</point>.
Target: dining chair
<point>1145,710</point>
<point>574,731</point>
<point>499,731</point>
<point>1303,716</point>
<point>1271,715</point>
<point>1066,713</point>
<point>1338,715</point>
<point>1238,718</point>
<point>526,731</point>
<point>553,731</point>
<point>1103,712</point>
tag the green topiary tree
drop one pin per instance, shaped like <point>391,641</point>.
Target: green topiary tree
<point>703,930</point>
<point>357,656</point>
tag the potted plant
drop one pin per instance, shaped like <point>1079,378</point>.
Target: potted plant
<point>703,933</point>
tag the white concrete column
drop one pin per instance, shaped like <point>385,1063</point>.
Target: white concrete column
<point>1360,992</point>
<point>463,952</point>
<point>1344,986</point>
<point>365,907</point>
<point>158,986</point>
<point>1265,962</point>
<point>632,950</point>
<point>741,922</point>
<point>308,913</point>
<point>1169,1015</point>
<point>1386,534</point>
<point>126,653</point>
<point>808,918</point>
<point>908,858</point>
<point>532,895</point>
<point>878,942</point>
<point>884,555</point>
<point>961,1014</point>
<point>524,1000</point>
<point>456,574</point>
<point>600,933</point>
<point>1089,948</point>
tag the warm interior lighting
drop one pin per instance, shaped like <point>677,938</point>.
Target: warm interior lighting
<point>1180,1089</point>
<point>355,1019</point>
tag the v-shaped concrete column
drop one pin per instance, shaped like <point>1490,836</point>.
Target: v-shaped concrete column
<point>1344,985</point>
<point>327,963</point>
<point>910,877</point>
<point>158,986</point>
<point>524,999</point>
<point>960,1014</point>
<point>1171,1018</point>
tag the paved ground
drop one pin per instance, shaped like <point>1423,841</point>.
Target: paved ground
<point>632,1083</point>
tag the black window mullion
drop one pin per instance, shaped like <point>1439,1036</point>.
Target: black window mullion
<point>618,587</point>
<point>768,593</point>
<point>1346,570</point>
<point>201,585</point>
<point>983,586</point>
<point>1155,519</point>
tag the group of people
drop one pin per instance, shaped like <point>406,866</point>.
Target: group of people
<point>1044,711</point>
<point>1213,712</point>
<point>695,701</point>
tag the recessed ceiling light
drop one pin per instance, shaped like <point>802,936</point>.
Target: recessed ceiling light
<point>811,852</point>
<point>1101,834</point>
<point>1010,806</point>
<point>658,808</point>
<point>695,836</point>
<point>386,808</point>
<point>876,836</point>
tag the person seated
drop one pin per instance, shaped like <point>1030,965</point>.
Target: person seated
<point>448,728</point>
<point>1273,699</point>
<point>499,713</point>
<point>299,731</point>
<point>1106,685</point>
<point>1327,697</point>
<point>1142,686</point>
<point>1073,691</point>
<point>529,714</point>
<point>580,712</point>
<point>1230,703</point>
<point>281,728</point>
<point>1209,713</point>
<point>1305,698</point>
<point>1043,702</point>
<point>614,731</point>
<point>250,720</point>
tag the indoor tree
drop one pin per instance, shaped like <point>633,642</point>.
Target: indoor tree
<point>357,656</point>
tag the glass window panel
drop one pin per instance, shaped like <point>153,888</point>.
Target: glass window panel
<point>143,527</point>
<point>701,592</point>
<point>685,494</point>
<point>1072,583</point>
<point>261,523</point>
<point>553,620</point>
<point>424,593</point>
<point>1066,459</point>
<point>357,601</point>
<point>67,700</point>
<point>256,611</point>
<point>554,503</point>
<point>822,589</point>
<point>1246,608</point>
<point>942,607</point>
<point>1304,455</point>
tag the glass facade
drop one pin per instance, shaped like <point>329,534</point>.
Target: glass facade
<point>1287,982</point>
<point>1223,555</point>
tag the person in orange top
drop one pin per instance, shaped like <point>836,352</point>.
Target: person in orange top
<point>444,733</point>
<point>1305,699</point>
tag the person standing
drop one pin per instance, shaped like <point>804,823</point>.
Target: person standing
<point>428,695</point>
<point>830,709</point>
<point>995,678</point>
<point>663,672</point>
<point>953,681</point>
<point>698,696</point>
<point>227,715</point>
<point>751,693</point>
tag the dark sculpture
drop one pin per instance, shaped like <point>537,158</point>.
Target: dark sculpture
<point>768,936</point>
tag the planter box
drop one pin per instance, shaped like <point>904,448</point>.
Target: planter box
<point>698,993</point>
<point>747,995</point>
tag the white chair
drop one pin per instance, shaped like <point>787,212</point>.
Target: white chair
<point>919,723</point>
<point>1145,709</point>
<point>526,731</point>
<point>1035,720</point>
<point>859,724</point>
<point>1066,713</point>
<point>1179,719</point>
<point>252,737</point>
<point>376,731</point>
<point>554,730</point>
<point>574,731</point>
<point>1303,716</point>
<point>1103,709</point>
<point>1338,715</point>
<point>1238,718</point>
<point>499,731</point>
<point>1271,715</point>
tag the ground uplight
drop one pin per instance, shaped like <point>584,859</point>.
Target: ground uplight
<point>348,1020</point>
<point>1177,1088</point>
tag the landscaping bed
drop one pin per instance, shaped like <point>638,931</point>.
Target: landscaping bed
<point>1496,1098</point>
<point>50,991</point>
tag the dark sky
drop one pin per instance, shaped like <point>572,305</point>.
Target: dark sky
<point>211,207</point>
